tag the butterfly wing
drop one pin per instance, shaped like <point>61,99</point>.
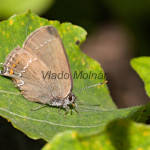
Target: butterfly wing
<point>26,66</point>
<point>22,67</point>
<point>46,44</point>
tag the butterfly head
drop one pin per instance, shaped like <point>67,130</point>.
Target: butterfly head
<point>70,100</point>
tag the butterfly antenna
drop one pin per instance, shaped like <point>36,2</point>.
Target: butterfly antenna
<point>87,87</point>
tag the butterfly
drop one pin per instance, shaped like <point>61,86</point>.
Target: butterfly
<point>30,66</point>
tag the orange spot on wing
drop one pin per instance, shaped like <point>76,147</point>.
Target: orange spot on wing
<point>13,65</point>
<point>17,61</point>
<point>11,71</point>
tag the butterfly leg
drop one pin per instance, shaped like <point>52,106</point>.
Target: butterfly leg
<point>59,110</point>
<point>71,111</point>
<point>39,107</point>
<point>76,109</point>
<point>67,109</point>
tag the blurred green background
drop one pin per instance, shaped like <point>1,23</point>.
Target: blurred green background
<point>90,14</point>
<point>117,32</point>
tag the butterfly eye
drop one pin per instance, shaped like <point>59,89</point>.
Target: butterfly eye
<point>70,98</point>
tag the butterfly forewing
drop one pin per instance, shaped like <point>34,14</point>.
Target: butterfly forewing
<point>45,42</point>
<point>30,67</point>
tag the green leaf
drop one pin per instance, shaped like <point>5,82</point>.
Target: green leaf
<point>44,123</point>
<point>117,135</point>
<point>142,66</point>
<point>95,105</point>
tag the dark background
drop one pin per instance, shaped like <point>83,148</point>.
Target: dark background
<point>117,32</point>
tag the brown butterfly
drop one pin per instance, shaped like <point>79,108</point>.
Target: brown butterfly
<point>30,67</point>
